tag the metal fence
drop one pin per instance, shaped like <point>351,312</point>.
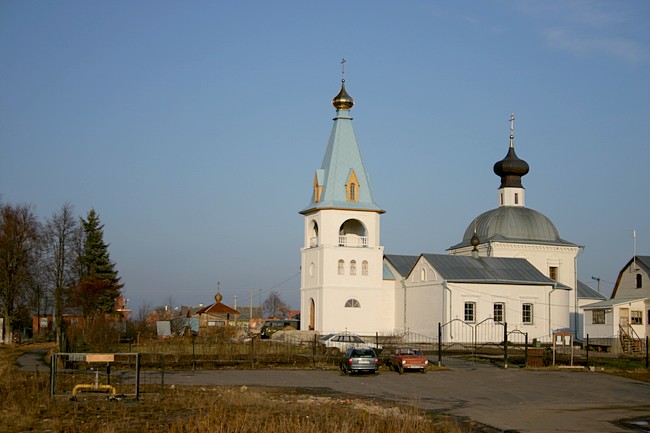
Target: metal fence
<point>105,374</point>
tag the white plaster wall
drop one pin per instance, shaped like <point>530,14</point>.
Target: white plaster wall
<point>321,281</point>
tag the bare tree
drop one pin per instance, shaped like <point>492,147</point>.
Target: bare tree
<point>274,306</point>
<point>19,244</point>
<point>61,237</point>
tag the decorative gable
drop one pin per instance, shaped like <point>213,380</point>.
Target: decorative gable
<point>352,187</point>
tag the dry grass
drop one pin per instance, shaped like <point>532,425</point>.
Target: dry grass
<point>25,405</point>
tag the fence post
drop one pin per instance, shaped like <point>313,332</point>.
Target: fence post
<point>587,355</point>
<point>162,373</point>
<point>53,374</point>
<point>439,344</point>
<point>505,345</point>
<point>646,352</point>
<point>252,353</point>
<point>137,376</point>
<point>314,344</point>
<point>526,350</point>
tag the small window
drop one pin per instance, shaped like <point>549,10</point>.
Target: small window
<point>353,267</point>
<point>636,317</point>
<point>516,198</point>
<point>470,311</point>
<point>341,267</point>
<point>499,312</point>
<point>501,199</point>
<point>553,272</point>
<point>353,192</point>
<point>639,281</point>
<point>527,314</point>
<point>352,303</point>
<point>598,317</point>
<point>364,267</point>
<point>423,274</point>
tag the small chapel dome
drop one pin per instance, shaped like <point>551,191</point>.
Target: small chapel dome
<point>343,101</point>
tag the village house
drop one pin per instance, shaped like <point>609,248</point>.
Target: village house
<point>621,322</point>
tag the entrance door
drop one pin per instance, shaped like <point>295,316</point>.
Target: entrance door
<point>624,319</point>
<point>312,314</point>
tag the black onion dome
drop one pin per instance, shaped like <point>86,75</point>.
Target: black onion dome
<point>343,101</point>
<point>511,169</point>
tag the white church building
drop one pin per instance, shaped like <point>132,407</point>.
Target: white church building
<point>511,266</point>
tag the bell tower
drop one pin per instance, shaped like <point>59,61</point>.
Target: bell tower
<point>341,258</point>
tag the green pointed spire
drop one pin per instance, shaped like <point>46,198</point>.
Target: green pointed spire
<point>342,181</point>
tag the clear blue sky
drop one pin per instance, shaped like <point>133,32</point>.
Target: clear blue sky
<point>194,128</point>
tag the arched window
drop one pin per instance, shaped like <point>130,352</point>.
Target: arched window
<point>352,303</point>
<point>423,274</point>
<point>364,267</point>
<point>353,267</point>
<point>313,234</point>
<point>341,267</point>
<point>639,281</point>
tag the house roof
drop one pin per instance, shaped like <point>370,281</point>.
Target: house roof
<point>611,302</point>
<point>492,270</point>
<point>586,292</point>
<point>217,308</point>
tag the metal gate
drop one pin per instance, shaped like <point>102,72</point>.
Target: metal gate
<point>462,343</point>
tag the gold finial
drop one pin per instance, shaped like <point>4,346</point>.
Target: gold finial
<point>218,296</point>
<point>343,101</point>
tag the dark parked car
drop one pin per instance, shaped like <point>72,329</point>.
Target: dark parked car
<point>359,359</point>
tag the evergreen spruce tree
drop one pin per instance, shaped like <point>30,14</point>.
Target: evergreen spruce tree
<point>100,285</point>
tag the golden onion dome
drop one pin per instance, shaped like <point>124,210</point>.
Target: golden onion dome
<point>343,101</point>
<point>218,297</point>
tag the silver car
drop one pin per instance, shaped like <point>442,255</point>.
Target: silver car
<point>337,343</point>
<point>359,359</point>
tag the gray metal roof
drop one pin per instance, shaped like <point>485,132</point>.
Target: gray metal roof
<point>494,270</point>
<point>586,292</point>
<point>515,224</point>
<point>403,264</point>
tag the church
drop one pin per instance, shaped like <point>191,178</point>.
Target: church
<point>511,265</point>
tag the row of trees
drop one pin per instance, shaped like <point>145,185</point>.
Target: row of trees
<point>64,259</point>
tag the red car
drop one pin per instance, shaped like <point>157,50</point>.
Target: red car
<point>407,358</point>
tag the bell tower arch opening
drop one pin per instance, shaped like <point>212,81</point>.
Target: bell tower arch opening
<point>353,233</point>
